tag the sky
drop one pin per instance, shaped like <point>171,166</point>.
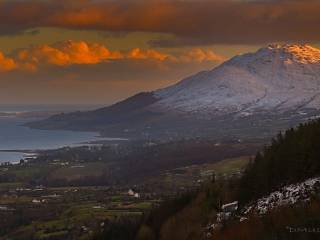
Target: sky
<point>101,51</point>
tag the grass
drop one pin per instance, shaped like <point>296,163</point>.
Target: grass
<point>15,200</point>
<point>29,172</point>
<point>187,176</point>
<point>11,185</point>
<point>228,166</point>
<point>53,235</point>
<point>74,216</point>
<point>70,173</point>
<point>143,205</point>
<point>116,198</point>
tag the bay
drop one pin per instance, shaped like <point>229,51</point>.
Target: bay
<point>15,136</point>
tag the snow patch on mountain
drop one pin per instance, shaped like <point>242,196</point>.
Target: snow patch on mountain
<point>275,78</point>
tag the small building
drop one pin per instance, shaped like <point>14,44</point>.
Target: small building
<point>136,195</point>
<point>227,211</point>
<point>131,192</point>
<point>36,201</point>
<point>230,207</point>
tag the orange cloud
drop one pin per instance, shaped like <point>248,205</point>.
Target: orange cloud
<point>137,53</point>
<point>80,52</point>
<point>6,64</point>
<point>199,55</point>
<point>67,53</point>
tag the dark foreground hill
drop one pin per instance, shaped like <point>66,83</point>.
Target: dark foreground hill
<point>292,157</point>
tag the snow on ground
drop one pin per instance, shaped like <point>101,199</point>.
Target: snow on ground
<point>287,195</point>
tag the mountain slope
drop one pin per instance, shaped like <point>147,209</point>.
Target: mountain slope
<point>133,108</point>
<point>279,82</point>
<point>279,77</point>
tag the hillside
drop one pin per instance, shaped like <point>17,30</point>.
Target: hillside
<point>292,157</point>
<point>131,108</point>
<point>278,194</point>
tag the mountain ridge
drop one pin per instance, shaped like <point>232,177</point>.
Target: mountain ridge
<point>259,79</point>
<point>278,81</point>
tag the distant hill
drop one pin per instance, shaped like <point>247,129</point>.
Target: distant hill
<point>132,108</point>
<point>271,89</point>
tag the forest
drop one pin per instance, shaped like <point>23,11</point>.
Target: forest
<point>291,157</point>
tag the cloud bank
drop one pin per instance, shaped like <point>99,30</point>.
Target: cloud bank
<point>191,22</point>
<point>79,71</point>
<point>68,53</point>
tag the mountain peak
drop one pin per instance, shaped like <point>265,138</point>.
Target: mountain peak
<point>287,46</point>
<point>281,55</point>
<point>301,53</point>
<point>276,77</point>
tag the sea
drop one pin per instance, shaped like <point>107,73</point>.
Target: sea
<point>17,138</point>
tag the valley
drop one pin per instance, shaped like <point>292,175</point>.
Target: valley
<point>72,193</point>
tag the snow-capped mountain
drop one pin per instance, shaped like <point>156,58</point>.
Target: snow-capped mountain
<point>279,80</point>
<point>278,77</point>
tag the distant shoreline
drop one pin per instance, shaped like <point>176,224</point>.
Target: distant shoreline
<point>80,144</point>
<point>18,141</point>
<point>20,151</point>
